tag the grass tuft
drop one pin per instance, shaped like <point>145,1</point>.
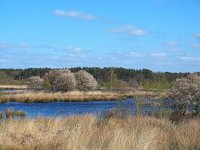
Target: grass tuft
<point>83,132</point>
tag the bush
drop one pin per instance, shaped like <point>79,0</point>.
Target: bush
<point>85,81</point>
<point>186,95</point>
<point>60,80</point>
<point>53,74</point>
<point>35,83</point>
<point>65,82</point>
<point>46,85</point>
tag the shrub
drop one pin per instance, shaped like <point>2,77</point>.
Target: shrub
<point>35,83</point>
<point>85,81</point>
<point>46,85</point>
<point>65,82</point>
<point>53,74</point>
<point>60,80</point>
<point>186,95</point>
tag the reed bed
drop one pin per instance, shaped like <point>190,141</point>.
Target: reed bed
<point>87,132</point>
<point>70,96</point>
<point>17,87</point>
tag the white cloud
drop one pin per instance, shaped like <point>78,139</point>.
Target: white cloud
<point>130,29</point>
<point>45,46</point>
<point>134,54</point>
<point>125,54</point>
<point>54,56</point>
<point>73,49</point>
<point>170,43</point>
<point>197,35</point>
<point>74,14</point>
<point>7,45</point>
<point>190,58</point>
<point>158,55</point>
<point>196,45</point>
<point>12,46</point>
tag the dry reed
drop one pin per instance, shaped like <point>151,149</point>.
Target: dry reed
<point>85,132</point>
<point>20,87</point>
<point>70,96</point>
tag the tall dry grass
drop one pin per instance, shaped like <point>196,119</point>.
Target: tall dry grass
<point>69,96</point>
<point>88,133</point>
<point>20,87</point>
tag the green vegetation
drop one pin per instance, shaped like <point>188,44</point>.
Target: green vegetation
<point>6,79</point>
<point>47,85</point>
<point>159,86</point>
<point>107,78</point>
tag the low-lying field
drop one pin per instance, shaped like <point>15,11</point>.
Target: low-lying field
<point>88,132</point>
<point>70,96</point>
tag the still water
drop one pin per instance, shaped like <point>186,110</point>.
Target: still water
<point>56,109</point>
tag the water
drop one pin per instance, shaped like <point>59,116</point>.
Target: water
<point>7,90</point>
<point>55,109</point>
<point>12,91</point>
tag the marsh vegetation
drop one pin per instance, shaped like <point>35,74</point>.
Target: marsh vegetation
<point>87,132</point>
<point>172,125</point>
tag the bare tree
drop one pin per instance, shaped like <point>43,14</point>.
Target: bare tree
<point>186,94</point>
<point>85,81</point>
<point>35,83</point>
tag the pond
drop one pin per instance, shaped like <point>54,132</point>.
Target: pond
<point>10,91</point>
<point>56,109</point>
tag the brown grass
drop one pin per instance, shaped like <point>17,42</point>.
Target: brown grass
<point>70,96</point>
<point>87,133</point>
<point>18,87</point>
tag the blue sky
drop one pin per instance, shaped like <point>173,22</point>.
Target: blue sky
<point>161,35</point>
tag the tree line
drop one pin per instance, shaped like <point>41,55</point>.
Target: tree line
<point>107,77</point>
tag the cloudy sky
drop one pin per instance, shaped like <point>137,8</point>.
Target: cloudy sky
<point>161,35</point>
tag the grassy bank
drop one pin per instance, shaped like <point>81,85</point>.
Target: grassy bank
<point>15,87</point>
<point>70,96</point>
<point>87,132</point>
